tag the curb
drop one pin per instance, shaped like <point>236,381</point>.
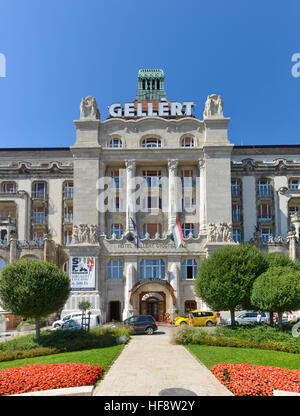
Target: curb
<point>70,391</point>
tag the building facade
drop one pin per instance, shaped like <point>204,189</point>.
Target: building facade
<point>150,162</point>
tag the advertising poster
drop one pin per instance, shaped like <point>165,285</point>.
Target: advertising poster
<point>83,275</point>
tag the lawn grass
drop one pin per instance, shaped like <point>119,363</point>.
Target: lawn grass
<point>97,356</point>
<point>210,355</point>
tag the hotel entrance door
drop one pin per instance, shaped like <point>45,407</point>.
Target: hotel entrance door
<point>153,303</point>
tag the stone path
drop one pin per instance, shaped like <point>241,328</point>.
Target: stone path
<point>150,364</point>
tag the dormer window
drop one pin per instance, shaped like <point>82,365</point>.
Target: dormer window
<point>187,142</point>
<point>151,142</point>
<point>116,143</point>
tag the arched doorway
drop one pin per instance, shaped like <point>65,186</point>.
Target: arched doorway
<point>114,311</point>
<point>153,303</point>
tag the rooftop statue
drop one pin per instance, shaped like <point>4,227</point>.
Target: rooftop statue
<point>89,109</point>
<point>213,107</point>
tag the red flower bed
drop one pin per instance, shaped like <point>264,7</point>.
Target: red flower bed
<point>256,380</point>
<point>47,376</point>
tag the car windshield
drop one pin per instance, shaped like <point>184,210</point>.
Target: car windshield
<point>66,318</point>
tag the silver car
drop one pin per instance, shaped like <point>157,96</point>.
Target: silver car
<point>249,318</point>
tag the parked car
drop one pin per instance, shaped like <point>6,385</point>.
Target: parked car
<point>142,324</point>
<point>60,322</point>
<point>249,318</point>
<point>201,318</point>
<point>94,321</point>
<point>71,324</point>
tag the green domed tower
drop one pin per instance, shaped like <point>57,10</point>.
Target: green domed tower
<point>150,84</point>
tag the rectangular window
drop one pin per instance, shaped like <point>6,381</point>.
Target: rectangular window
<point>116,229</point>
<point>116,178</point>
<point>265,212</point>
<point>236,213</point>
<point>236,235</point>
<point>39,190</point>
<point>9,187</point>
<point>68,190</point>
<point>235,188</point>
<point>187,229</point>
<point>294,184</point>
<point>293,210</point>
<point>189,269</point>
<point>39,215</point>
<point>265,234</point>
<point>68,237</point>
<point>115,270</point>
<point>152,269</point>
<point>152,229</point>
<point>152,178</point>
<point>69,215</point>
<point>264,187</point>
<point>187,178</point>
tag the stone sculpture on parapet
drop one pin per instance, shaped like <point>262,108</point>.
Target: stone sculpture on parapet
<point>213,107</point>
<point>89,109</point>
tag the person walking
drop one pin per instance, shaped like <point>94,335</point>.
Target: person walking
<point>191,318</point>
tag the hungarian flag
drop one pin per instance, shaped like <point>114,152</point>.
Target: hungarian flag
<point>177,234</point>
<point>136,233</point>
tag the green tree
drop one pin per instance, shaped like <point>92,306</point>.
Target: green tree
<point>225,279</point>
<point>33,289</point>
<point>279,260</point>
<point>278,289</point>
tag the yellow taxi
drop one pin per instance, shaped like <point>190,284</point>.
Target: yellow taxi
<point>201,318</point>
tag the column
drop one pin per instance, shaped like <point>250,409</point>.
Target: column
<point>173,193</point>
<point>249,206</point>
<point>130,281</point>
<point>130,194</point>
<point>102,230</point>
<point>201,201</point>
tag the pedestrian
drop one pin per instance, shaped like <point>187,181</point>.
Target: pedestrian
<point>218,317</point>
<point>191,318</point>
<point>275,319</point>
<point>168,318</point>
<point>258,319</point>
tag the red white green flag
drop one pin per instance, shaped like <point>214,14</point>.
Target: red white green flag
<point>177,234</point>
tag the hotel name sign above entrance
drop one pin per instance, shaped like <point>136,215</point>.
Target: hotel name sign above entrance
<point>165,109</point>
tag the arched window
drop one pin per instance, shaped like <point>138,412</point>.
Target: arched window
<point>152,269</point>
<point>189,269</point>
<point>116,143</point>
<point>115,270</point>
<point>187,142</point>
<point>151,142</point>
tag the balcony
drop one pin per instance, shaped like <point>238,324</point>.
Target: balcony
<point>69,193</point>
<point>264,190</point>
<point>265,219</point>
<point>39,218</point>
<point>39,195</point>
<point>68,218</point>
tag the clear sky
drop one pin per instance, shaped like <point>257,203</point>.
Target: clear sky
<point>58,51</point>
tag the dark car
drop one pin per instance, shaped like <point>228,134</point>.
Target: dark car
<point>142,324</point>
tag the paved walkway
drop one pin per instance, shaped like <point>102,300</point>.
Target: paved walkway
<point>150,364</point>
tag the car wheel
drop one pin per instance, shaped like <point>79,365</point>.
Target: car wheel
<point>209,323</point>
<point>56,326</point>
<point>149,330</point>
<point>183,323</point>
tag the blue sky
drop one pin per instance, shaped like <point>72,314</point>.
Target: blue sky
<point>59,51</point>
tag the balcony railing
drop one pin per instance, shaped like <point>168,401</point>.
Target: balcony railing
<point>68,218</point>
<point>264,190</point>
<point>41,195</point>
<point>68,194</point>
<point>265,219</point>
<point>39,218</point>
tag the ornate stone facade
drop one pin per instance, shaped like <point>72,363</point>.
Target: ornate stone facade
<point>160,169</point>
